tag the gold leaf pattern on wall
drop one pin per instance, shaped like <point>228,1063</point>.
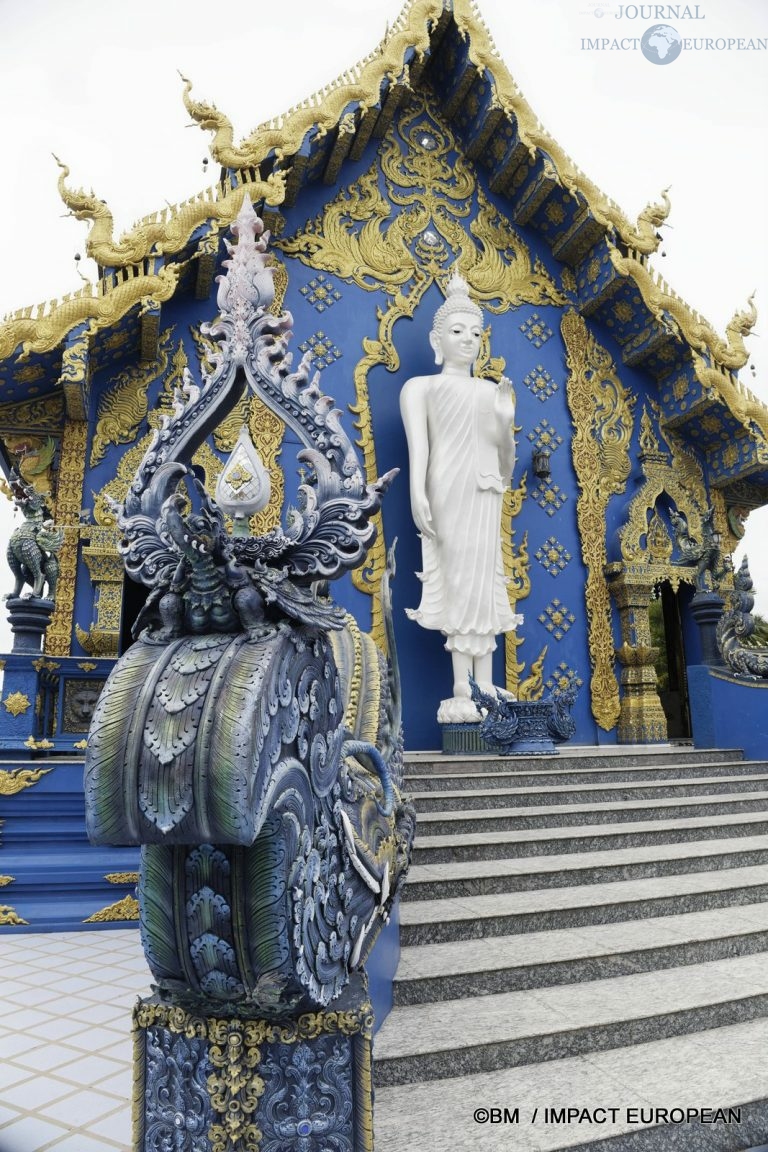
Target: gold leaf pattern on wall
<point>601,410</point>
<point>123,407</point>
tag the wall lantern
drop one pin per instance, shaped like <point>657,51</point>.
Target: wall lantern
<point>541,466</point>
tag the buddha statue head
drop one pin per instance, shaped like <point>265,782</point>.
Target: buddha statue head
<point>457,327</point>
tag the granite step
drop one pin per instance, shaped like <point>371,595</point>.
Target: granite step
<point>450,971</point>
<point>559,815</point>
<point>596,909</point>
<point>522,777</point>
<point>438,849</point>
<point>484,1033</point>
<point>471,799</point>
<point>521,874</point>
<point>476,917</point>
<point>584,757</point>
<point>722,1068</point>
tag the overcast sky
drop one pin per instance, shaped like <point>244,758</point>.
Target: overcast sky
<point>97,83</point>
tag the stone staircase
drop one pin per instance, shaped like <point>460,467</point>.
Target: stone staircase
<point>586,931</point>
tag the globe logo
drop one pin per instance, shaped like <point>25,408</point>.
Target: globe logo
<point>661,44</point>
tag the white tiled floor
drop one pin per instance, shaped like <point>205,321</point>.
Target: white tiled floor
<point>65,1044</point>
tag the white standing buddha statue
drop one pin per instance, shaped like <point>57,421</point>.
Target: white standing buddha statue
<point>461,448</point>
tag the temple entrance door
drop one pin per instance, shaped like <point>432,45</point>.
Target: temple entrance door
<point>667,636</point>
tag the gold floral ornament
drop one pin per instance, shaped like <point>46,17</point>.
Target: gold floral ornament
<point>38,745</point>
<point>18,779</point>
<point>243,488</point>
<point>125,909</point>
<point>17,703</point>
<point>235,1089</point>
<point>9,917</point>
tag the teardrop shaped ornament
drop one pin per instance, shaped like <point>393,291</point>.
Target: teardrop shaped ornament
<point>243,487</point>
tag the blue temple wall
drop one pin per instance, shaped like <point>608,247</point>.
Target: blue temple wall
<point>728,711</point>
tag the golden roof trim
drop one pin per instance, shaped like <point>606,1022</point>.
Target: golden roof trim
<point>659,298</point>
<point>168,230</point>
<point>362,83</point>
<point>323,109</point>
<point>164,231</point>
<point>485,56</point>
<point>40,328</point>
<point>105,304</point>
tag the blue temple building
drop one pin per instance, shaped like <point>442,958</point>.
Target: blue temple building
<point>422,159</point>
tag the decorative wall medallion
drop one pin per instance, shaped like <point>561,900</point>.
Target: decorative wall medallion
<point>557,619</point>
<point>540,383</point>
<point>322,349</point>
<point>549,496</point>
<point>321,292</point>
<point>17,703</point>
<point>562,678</point>
<point>553,556</point>
<point>544,437</point>
<point>536,330</point>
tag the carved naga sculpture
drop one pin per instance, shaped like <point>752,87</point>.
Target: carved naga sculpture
<point>240,740</point>
<point>737,625</point>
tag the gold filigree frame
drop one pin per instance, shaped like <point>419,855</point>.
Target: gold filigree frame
<point>601,410</point>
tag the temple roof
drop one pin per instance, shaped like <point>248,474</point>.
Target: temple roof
<point>443,43</point>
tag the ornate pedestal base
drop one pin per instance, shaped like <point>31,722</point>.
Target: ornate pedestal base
<point>205,1083</point>
<point>512,728</point>
<point>534,734</point>
<point>642,719</point>
<point>29,617</point>
<point>463,740</point>
<point>20,714</point>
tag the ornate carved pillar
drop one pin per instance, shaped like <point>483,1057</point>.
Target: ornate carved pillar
<point>69,502</point>
<point>641,716</point>
<point>105,566</point>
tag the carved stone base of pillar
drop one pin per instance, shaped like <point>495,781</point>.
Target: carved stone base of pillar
<point>29,616</point>
<point>642,719</point>
<point>216,1083</point>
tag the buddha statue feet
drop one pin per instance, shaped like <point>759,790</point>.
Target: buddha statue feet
<point>463,710</point>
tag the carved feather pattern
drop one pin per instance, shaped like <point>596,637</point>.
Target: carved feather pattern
<point>268,899</point>
<point>156,919</point>
<point>110,774</point>
<point>166,791</point>
<point>209,922</point>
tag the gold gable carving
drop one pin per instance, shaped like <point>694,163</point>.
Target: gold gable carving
<point>675,473</point>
